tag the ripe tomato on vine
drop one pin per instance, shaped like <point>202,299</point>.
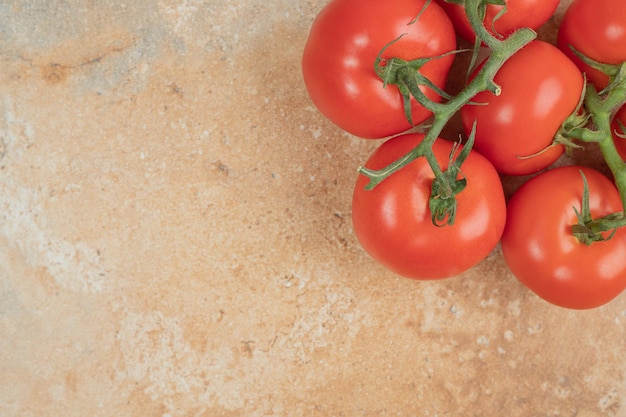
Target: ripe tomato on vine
<point>539,245</point>
<point>516,129</point>
<point>343,45</point>
<point>394,224</point>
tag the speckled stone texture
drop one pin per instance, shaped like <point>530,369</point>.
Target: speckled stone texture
<point>175,240</point>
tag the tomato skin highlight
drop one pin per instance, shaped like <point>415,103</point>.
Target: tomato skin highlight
<point>520,13</point>
<point>342,47</point>
<point>597,28</point>
<point>541,87</point>
<point>393,222</point>
<point>540,250</point>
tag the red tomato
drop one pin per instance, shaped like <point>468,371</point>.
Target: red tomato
<point>620,142</point>
<point>342,47</point>
<point>541,87</point>
<point>519,13</point>
<point>597,28</point>
<point>393,221</point>
<point>542,252</point>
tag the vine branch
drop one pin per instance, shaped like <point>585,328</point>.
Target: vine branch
<point>406,75</point>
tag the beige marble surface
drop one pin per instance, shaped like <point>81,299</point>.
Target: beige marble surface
<point>175,240</point>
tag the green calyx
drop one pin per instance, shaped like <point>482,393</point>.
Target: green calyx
<point>589,230</point>
<point>444,189</point>
<point>406,76</point>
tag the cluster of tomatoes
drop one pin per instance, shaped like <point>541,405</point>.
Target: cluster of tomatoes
<point>517,129</point>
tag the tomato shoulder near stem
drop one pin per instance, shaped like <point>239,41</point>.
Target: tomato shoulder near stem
<point>541,251</point>
<point>393,221</point>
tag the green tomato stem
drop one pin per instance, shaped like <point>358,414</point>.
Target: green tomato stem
<point>601,108</point>
<point>501,51</point>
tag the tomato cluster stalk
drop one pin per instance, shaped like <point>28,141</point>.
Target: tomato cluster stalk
<point>405,75</point>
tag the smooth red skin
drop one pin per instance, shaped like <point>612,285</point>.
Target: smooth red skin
<point>339,55</point>
<point>597,28</point>
<point>393,222</point>
<point>540,250</point>
<point>620,142</point>
<point>541,87</point>
<point>520,13</point>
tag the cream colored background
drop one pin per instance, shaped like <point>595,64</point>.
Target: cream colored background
<point>175,240</point>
